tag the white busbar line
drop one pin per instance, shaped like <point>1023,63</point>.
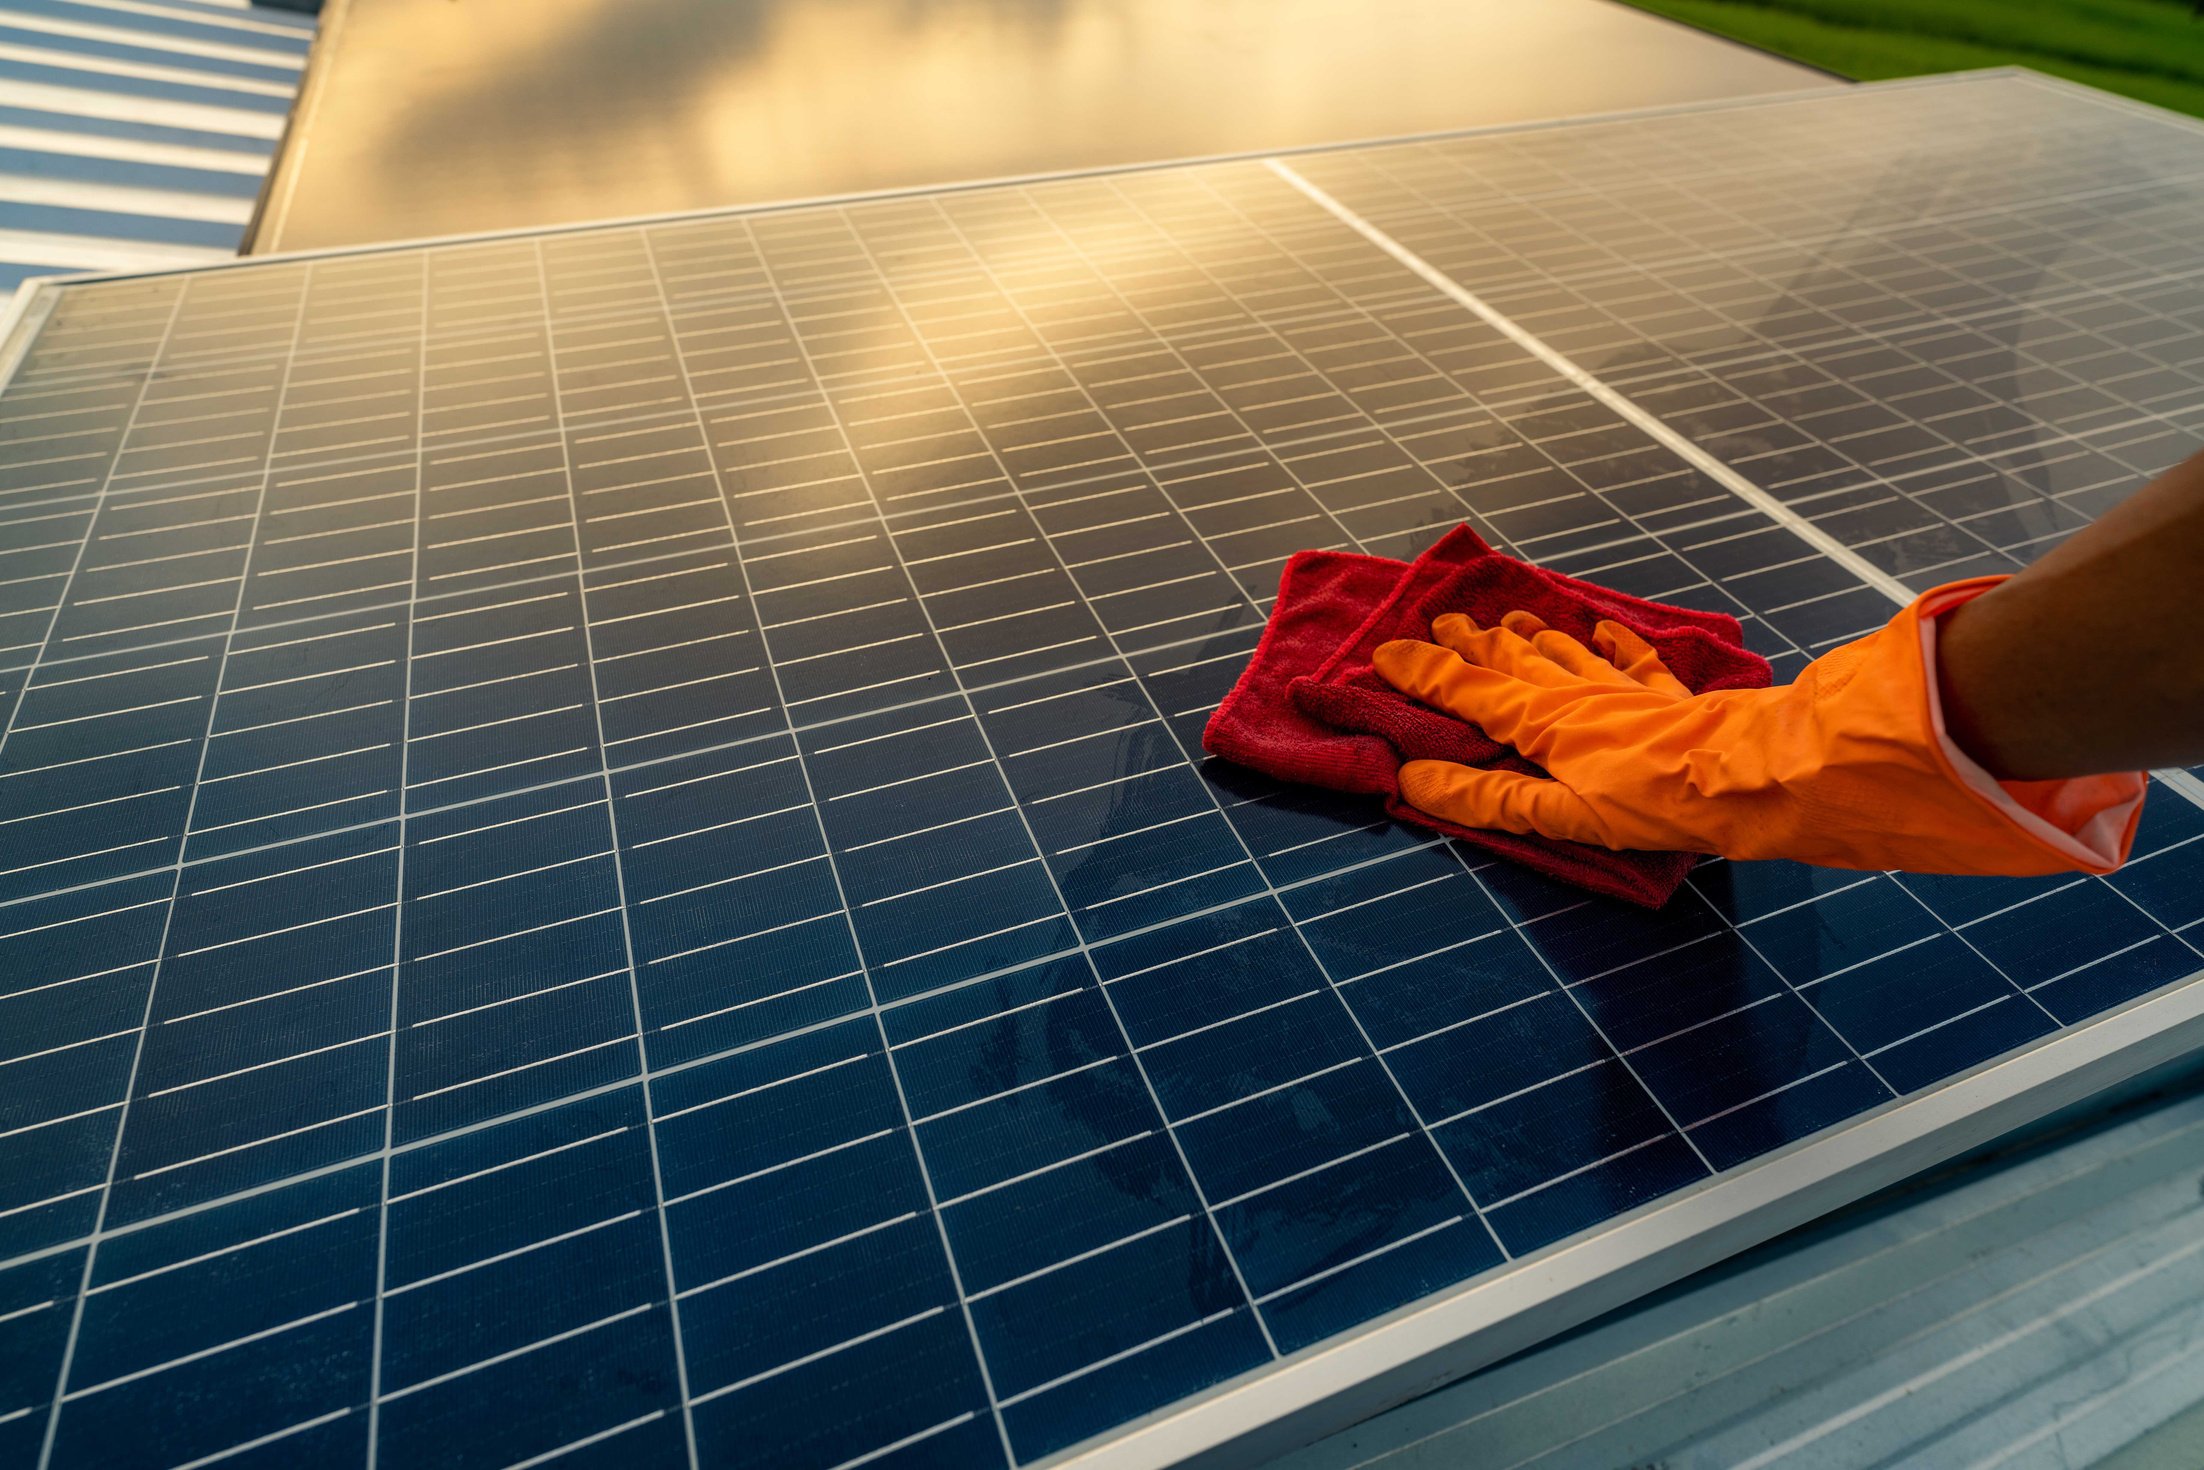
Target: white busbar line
<point>1859,566</point>
<point>1639,417</point>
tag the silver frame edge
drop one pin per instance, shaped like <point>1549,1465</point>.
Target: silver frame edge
<point>1430,1343</point>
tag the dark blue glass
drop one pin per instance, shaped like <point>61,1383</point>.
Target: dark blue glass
<point>606,854</point>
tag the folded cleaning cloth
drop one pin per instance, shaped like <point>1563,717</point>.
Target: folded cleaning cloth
<point>1309,709</point>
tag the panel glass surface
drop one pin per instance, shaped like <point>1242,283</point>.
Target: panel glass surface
<point>606,849</point>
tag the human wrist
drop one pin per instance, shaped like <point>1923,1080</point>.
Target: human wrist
<point>1984,692</point>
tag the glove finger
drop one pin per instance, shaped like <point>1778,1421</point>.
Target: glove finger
<point>1502,649</point>
<point>1577,659</point>
<point>1459,631</point>
<point>1637,659</point>
<point>1507,800</point>
<point>1523,624</point>
<point>1444,680</point>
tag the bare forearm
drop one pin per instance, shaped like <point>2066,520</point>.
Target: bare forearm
<point>2092,659</point>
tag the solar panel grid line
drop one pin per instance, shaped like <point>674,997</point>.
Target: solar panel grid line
<point>1307,484</point>
<point>1245,594</point>
<point>397,950</point>
<point>1497,535</point>
<point>1795,250</point>
<point>2096,491</point>
<point>1654,426</point>
<point>210,857</point>
<point>45,639</point>
<point>1374,865</point>
<point>2097,430</point>
<point>223,1008</point>
<point>1380,1053</point>
<point>2078,295</point>
<point>1138,1047</point>
<point>2042,439</point>
<point>933,1198</point>
<point>1251,857</point>
<point>69,1345</point>
<point>1856,233</point>
<point>21,316</point>
<point>2080,292</point>
<point>995,1398</point>
<point>1501,537</point>
<point>1866,1057</point>
<point>1865,569</point>
<point>434,1139</point>
<point>58,315</point>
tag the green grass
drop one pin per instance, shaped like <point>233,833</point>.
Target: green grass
<point>2152,50</point>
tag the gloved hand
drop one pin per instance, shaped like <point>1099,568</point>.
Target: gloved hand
<point>1847,767</point>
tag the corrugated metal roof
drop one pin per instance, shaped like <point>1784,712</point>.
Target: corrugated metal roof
<point>136,133</point>
<point>2039,1308</point>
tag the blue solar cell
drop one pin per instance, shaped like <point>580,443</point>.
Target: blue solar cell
<point>607,851</point>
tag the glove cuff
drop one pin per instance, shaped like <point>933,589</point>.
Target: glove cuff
<point>2087,821</point>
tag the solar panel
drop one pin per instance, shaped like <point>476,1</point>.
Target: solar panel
<point>608,854</point>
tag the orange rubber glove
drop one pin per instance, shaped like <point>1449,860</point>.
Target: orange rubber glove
<point>1847,767</point>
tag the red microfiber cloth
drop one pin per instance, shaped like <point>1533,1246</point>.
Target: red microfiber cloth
<point>1309,709</point>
